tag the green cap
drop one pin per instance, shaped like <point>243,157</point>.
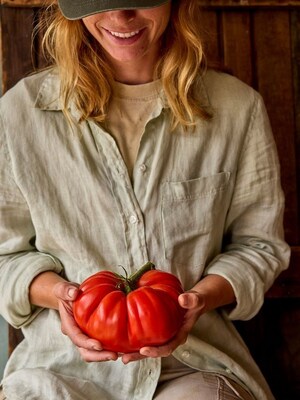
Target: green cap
<point>76,9</point>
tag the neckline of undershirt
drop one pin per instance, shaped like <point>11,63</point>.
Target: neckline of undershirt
<point>142,92</point>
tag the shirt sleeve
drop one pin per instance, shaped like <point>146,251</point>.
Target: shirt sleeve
<point>20,262</point>
<point>254,250</point>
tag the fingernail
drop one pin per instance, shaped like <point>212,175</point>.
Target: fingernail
<point>96,347</point>
<point>184,301</point>
<point>71,292</point>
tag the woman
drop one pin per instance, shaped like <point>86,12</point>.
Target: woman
<point>125,151</point>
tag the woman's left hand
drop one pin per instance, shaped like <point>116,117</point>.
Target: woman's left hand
<point>209,293</point>
<point>194,303</point>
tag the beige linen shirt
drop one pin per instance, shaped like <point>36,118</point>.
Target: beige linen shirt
<point>207,202</point>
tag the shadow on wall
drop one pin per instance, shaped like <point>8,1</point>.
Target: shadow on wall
<point>3,345</point>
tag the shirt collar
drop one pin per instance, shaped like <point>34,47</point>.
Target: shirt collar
<point>48,97</point>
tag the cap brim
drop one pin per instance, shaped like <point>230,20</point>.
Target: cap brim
<point>77,9</point>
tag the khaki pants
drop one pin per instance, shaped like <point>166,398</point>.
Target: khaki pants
<point>201,386</point>
<point>180,382</point>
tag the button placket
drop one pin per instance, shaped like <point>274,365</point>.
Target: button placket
<point>124,195</point>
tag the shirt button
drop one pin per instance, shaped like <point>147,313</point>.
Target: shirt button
<point>143,167</point>
<point>121,175</point>
<point>133,219</point>
<point>186,354</point>
<point>228,371</point>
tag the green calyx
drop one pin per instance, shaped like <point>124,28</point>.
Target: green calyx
<point>128,283</point>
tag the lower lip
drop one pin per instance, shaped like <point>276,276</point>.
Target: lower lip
<point>125,41</point>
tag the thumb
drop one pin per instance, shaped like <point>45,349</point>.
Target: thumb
<point>191,300</point>
<point>67,291</point>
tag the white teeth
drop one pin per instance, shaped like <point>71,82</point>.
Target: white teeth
<point>124,35</point>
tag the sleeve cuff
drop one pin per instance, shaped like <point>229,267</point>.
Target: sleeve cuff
<point>20,272</point>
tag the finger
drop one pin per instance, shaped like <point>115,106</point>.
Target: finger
<point>127,358</point>
<point>155,352</point>
<point>71,329</point>
<point>97,356</point>
<point>166,349</point>
<point>82,341</point>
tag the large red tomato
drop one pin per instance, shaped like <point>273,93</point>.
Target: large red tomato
<point>125,314</point>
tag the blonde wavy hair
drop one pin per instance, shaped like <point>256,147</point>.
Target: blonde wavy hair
<point>78,57</point>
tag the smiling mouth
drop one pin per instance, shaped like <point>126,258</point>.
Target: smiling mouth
<point>124,35</point>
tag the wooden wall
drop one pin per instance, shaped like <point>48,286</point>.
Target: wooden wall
<point>259,42</point>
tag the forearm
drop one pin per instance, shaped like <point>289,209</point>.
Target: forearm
<point>216,292</point>
<point>41,290</point>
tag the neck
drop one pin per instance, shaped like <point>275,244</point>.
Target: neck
<point>134,72</point>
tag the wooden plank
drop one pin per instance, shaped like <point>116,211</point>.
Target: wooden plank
<point>207,3</point>
<point>23,3</point>
<point>39,59</point>
<point>249,3</point>
<point>275,83</point>
<point>273,337</point>
<point>211,37</point>
<point>295,40</point>
<point>15,336</point>
<point>16,31</point>
<point>238,53</point>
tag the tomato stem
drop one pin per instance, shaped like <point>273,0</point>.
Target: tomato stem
<point>146,267</point>
<point>129,283</point>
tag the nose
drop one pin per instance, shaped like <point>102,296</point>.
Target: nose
<point>123,15</point>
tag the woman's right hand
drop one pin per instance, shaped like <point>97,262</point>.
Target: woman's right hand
<point>90,349</point>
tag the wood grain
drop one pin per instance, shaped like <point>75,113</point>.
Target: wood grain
<point>16,32</point>
<point>249,3</point>
<point>238,53</point>
<point>273,59</point>
<point>25,3</point>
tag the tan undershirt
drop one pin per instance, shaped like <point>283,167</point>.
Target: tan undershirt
<point>131,108</point>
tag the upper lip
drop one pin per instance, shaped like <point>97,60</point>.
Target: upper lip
<point>123,30</point>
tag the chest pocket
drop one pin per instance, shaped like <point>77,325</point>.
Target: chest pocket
<point>193,214</point>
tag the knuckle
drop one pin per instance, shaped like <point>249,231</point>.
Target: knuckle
<point>168,352</point>
<point>84,354</point>
<point>182,340</point>
<point>63,330</point>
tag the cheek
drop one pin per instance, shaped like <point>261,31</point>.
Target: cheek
<point>161,27</point>
<point>90,24</point>
<point>87,22</point>
<point>162,18</point>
